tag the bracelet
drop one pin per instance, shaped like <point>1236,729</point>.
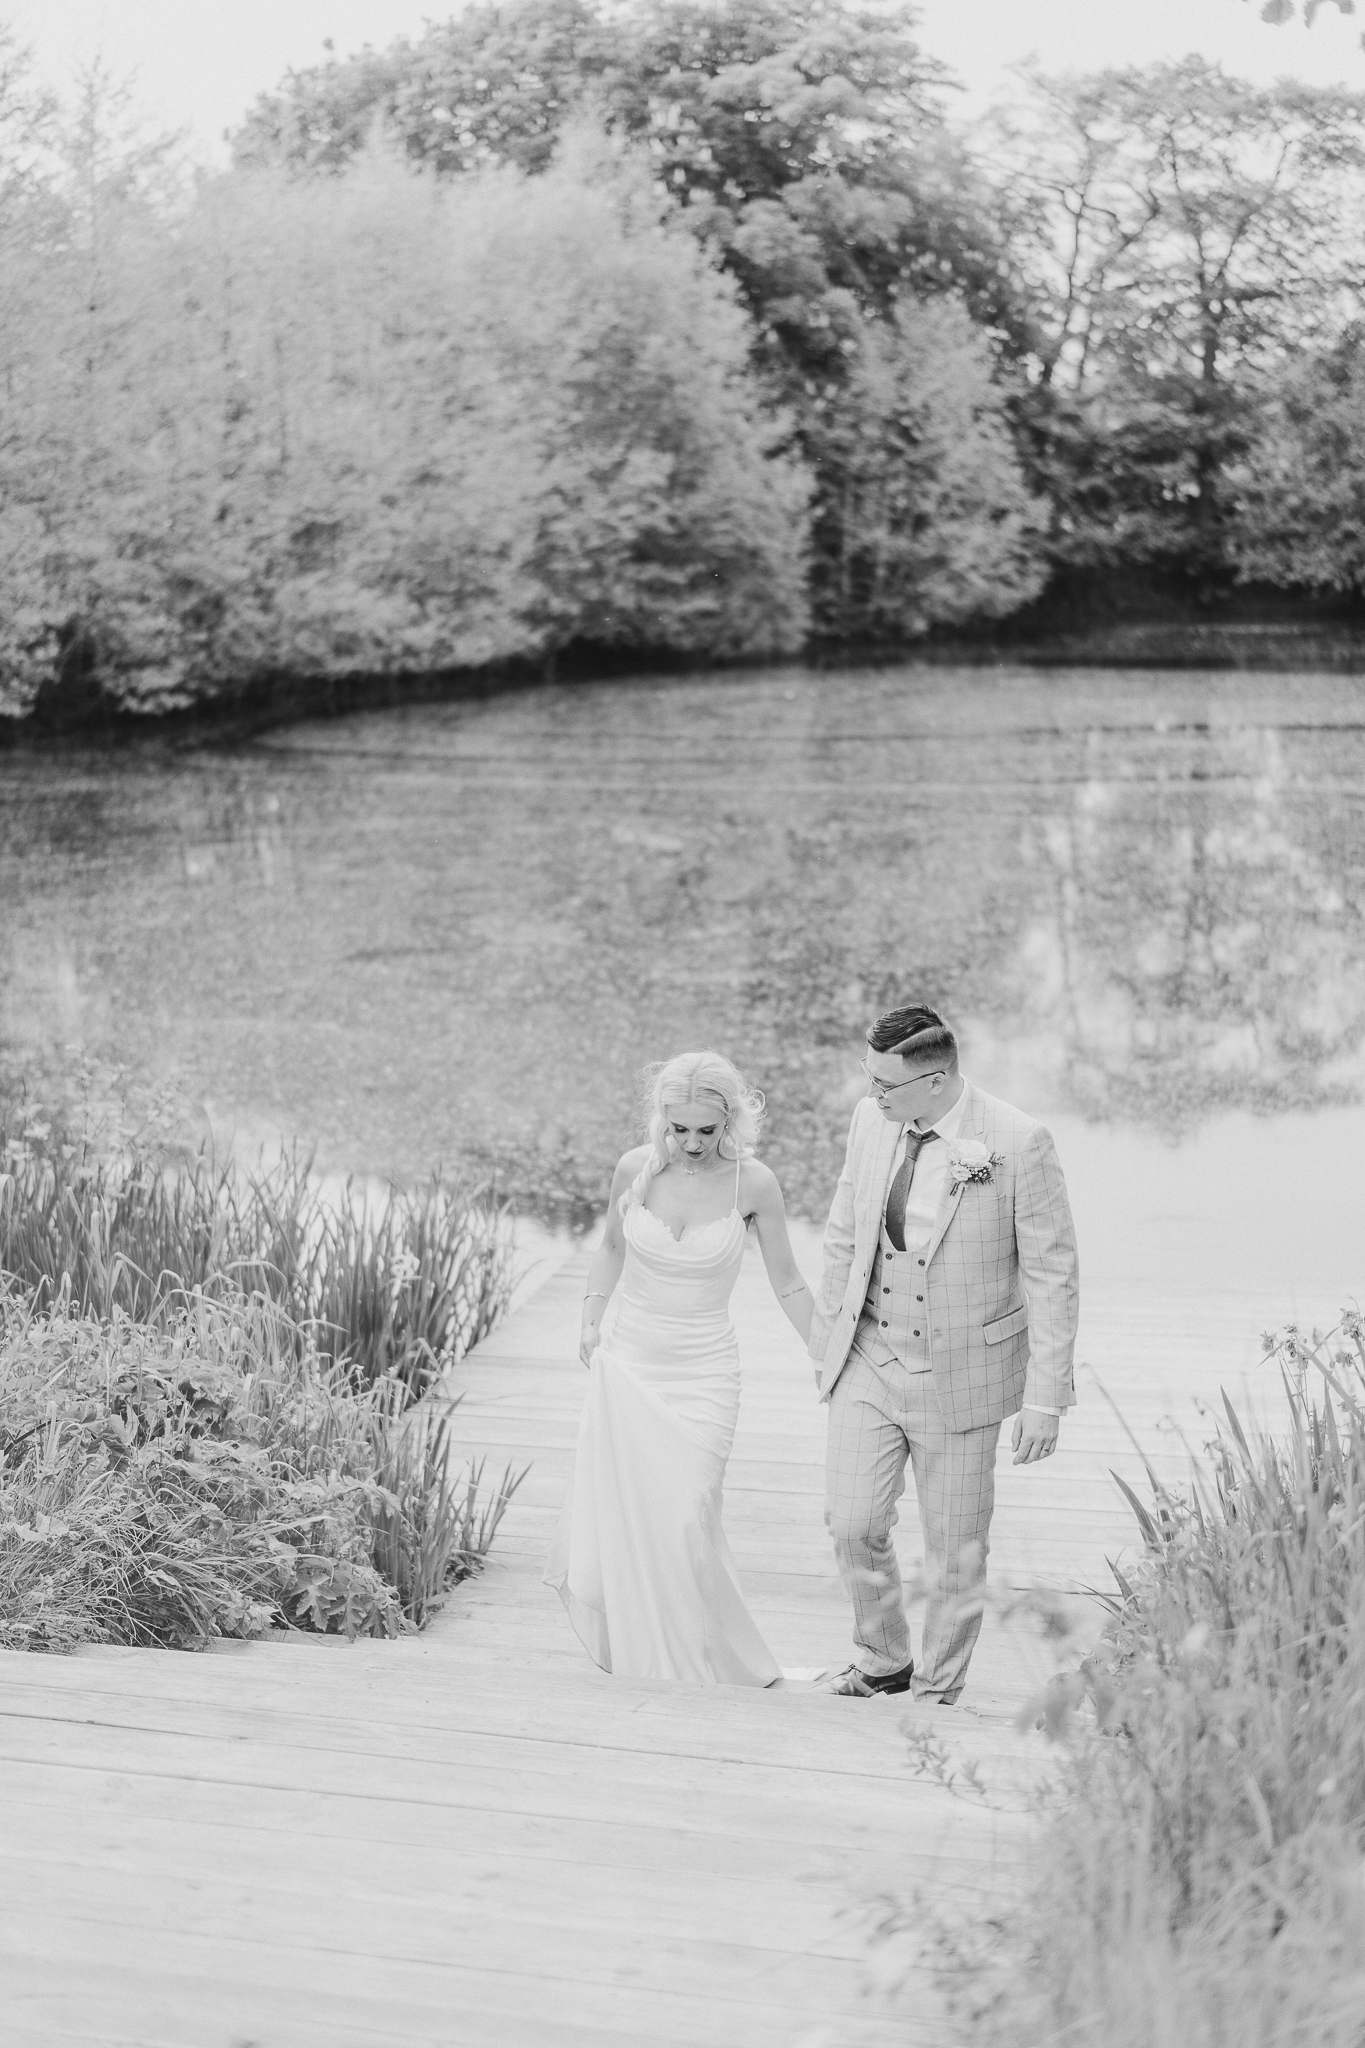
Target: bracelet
<point>594,1293</point>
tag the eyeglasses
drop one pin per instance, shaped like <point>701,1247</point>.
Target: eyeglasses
<point>881,1089</point>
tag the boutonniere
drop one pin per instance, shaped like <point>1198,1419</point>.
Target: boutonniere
<point>970,1160</point>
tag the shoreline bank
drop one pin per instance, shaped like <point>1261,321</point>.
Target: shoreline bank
<point>1252,646</point>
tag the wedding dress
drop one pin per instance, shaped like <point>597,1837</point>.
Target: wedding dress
<point>640,1558</point>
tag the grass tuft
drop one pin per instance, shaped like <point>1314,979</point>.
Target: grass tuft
<point>212,1473</point>
<point>221,1405</point>
<point>1203,1875</point>
<point>399,1286</point>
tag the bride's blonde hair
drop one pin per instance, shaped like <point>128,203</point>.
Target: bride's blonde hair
<point>695,1077</point>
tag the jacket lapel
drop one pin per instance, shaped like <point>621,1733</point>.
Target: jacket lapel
<point>879,1173</point>
<point>970,1127</point>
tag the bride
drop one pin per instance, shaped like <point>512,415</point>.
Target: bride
<point>640,1558</point>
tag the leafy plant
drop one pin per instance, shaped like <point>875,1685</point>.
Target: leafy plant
<point>211,1472</point>
<point>1202,1877</point>
<point>429,1524</point>
<point>398,1286</point>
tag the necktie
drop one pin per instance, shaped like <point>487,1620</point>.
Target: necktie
<point>915,1141</point>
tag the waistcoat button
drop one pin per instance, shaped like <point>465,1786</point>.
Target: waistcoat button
<point>885,1325</point>
<point>915,1333</point>
<point>919,1297</point>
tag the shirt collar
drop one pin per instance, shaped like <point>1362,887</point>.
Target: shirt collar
<point>950,1123</point>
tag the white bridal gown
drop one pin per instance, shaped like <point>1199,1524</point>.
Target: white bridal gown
<point>640,1558</point>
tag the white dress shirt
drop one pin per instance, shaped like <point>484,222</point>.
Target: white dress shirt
<point>926,1188</point>
<point>931,1171</point>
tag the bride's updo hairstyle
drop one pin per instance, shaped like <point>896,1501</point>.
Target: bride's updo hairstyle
<point>707,1078</point>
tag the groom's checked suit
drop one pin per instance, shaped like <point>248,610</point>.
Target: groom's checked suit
<point>922,1352</point>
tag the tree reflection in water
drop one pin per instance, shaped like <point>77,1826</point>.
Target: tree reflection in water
<point>1198,944</point>
<point>456,932</point>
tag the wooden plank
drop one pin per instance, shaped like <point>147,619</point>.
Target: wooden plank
<point>207,1810</point>
<point>242,1993</point>
<point>776,1814</point>
<point>483,1952</point>
<point>725,1904</point>
<point>480,1652</point>
<point>657,1733</point>
<point>577,1941</point>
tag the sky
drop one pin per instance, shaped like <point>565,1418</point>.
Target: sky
<point>200,63</point>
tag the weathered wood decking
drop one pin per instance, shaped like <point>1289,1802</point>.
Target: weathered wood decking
<point>477,1838</point>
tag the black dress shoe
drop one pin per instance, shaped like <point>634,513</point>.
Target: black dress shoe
<point>857,1685</point>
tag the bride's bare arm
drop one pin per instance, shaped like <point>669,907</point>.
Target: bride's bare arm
<point>764,1203</point>
<point>608,1259</point>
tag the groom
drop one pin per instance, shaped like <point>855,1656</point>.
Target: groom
<point>948,1302</point>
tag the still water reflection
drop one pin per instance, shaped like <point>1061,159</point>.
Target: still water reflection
<point>455,933</point>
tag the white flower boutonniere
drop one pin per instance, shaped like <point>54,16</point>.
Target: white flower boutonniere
<point>970,1160</point>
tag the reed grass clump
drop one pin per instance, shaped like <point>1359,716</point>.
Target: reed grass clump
<point>398,1286</point>
<point>222,1404</point>
<point>1204,1876</point>
<point>210,1471</point>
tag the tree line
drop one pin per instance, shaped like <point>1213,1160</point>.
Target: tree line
<point>694,328</point>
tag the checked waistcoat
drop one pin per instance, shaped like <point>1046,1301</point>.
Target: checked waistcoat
<point>897,1298</point>
<point>897,1304</point>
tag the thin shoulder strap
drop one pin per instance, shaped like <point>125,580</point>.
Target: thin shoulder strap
<point>738,1163</point>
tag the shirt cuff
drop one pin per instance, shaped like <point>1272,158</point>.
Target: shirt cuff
<point>1039,1409</point>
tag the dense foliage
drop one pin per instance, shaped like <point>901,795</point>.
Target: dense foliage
<point>399,1289</point>
<point>1300,492</point>
<point>1185,241</point>
<point>207,1416</point>
<point>1203,1884</point>
<point>805,146</point>
<point>681,327</point>
<point>376,424</point>
<point>208,1472</point>
<point>1145,254</point>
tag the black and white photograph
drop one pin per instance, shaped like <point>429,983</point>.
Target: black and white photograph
<point>682,1024</point>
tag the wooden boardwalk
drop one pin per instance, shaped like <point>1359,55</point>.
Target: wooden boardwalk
<point>474,1837</point>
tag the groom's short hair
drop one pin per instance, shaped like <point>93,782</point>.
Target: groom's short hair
<point>917,1033</point>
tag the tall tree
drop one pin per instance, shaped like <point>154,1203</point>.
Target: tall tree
<point>927,517</point>
<point>1182,233</point>
<point>28,127</point>
<point>83,185</point>
<point>490,87</point>
<point>373,423</point>
<point>31,222</point>
<point>802,141</point>
<point>1300,497</point>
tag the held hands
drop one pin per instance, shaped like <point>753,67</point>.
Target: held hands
<point>1035,1436</point>
<point>594,1305</point>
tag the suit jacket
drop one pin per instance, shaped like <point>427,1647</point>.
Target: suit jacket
<point>1003,1286</point>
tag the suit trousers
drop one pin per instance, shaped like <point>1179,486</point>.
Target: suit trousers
<point>880,1418</point>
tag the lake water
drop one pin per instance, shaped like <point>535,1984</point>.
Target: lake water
<point>454,934</point>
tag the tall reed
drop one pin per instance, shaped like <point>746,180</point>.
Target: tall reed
<point>430,1524</point>
<point>1202,1880</point>
<point>400,1285</point>
<point>207,1389</point>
